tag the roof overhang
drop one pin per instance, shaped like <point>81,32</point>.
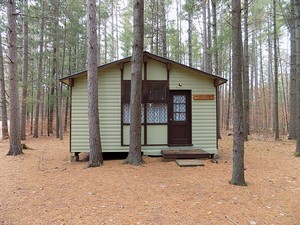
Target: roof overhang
<point>68,80</point>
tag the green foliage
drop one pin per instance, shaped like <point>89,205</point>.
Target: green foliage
<point>126,35</point>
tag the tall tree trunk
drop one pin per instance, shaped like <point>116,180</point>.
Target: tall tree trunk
<point>293,84</point>
<point>178,23</point>
<point>205,47</point>
<point>163,28</point>
<point>5,134</point>
<point>297,24</point>
<point>42,111</point>
<point>14,141</point>
<point>39,78</point>
<point>270,76</point>
<point>238,117</point>
<point>105,42</point>
<point>157,29</point>
<point>216,59</point>
<point>60,87</point>
<point>112,33</point>
<point>135,155</point>
<point>263,82</point>
<point>229,92</point>
<point>55,71</point>
<point>276,116</point>
<point>24,72</point>
<point>209,41</point>
<point>246,73</point>
<point>95,158</point>
<point>190,31</point>
<point>32,107</point>
<point>152,26</point>
<point>66,112</point>
<point>285,123</point>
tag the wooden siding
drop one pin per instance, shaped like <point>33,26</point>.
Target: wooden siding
<point>109,112</point>
<point>126,137</point>
<point>203,111</point>
<point>127,72</point>
<point>157,134</point>
<point>156,70</point>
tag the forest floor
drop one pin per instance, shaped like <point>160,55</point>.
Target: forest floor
<point>43,187</point>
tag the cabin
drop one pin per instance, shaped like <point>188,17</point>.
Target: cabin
<point>179,109</point>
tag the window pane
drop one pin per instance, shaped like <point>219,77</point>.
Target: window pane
<point>126,97</point>
<point>126,113</point>
<point>179,107</point>
<point>179,99</point>
<point>179,117</point>
<point>157,92</point>
<point>157,112</point>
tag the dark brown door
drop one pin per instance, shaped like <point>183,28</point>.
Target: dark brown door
<point>179,125</point>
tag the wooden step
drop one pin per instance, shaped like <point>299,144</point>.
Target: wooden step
<point>185,154</point>
<point>189,162</point>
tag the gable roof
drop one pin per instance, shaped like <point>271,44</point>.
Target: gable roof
<point>218,80</point>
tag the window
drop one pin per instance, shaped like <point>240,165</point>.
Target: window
<point>157,92</point>
<point>126,91</point>
<point>126,113</point>
<point>157,112</point>
<point>179,108</point>
<point>157,102</point>
<point>155,99</point>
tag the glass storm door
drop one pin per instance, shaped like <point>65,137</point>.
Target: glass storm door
<point>179,125</point>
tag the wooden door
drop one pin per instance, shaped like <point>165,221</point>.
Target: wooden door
<point>179,124</point>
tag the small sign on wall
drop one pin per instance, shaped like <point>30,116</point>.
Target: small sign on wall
<point>203,97</point>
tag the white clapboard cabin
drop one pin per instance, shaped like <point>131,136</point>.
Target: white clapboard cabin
<point>179,107</point>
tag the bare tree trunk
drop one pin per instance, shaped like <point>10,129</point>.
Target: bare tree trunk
<point>297,24</point>
<point>42,111</point>
<point>246,73</point>
<point>24,72</point>
<point>105,42</point>
<point>32,108</point>
<point>190,37</point>
<point>205,47</point>
<point>163,28</point>
<point>276,116</point>
<point>15,140</point>
<point>95,158</point>
<point>5,134</point>
<point>270,76</point>
<point>135,155</point>
<point>293,79</point>
<point>112,33</point>
<point>60,87</point>
<point>55,71</point>
<point>178,23</point>
<point>66,112</point>
<point>238,117</point>
<point>157,29</point>
<point>39,78</point>
<point>263,83</point>
<point>216,59</point>
<point>209,41</point>
<point>117,32</point>
<point>229,94</point>
<point>285,123</point>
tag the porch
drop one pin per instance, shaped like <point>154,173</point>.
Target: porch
<point>185,152</point>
